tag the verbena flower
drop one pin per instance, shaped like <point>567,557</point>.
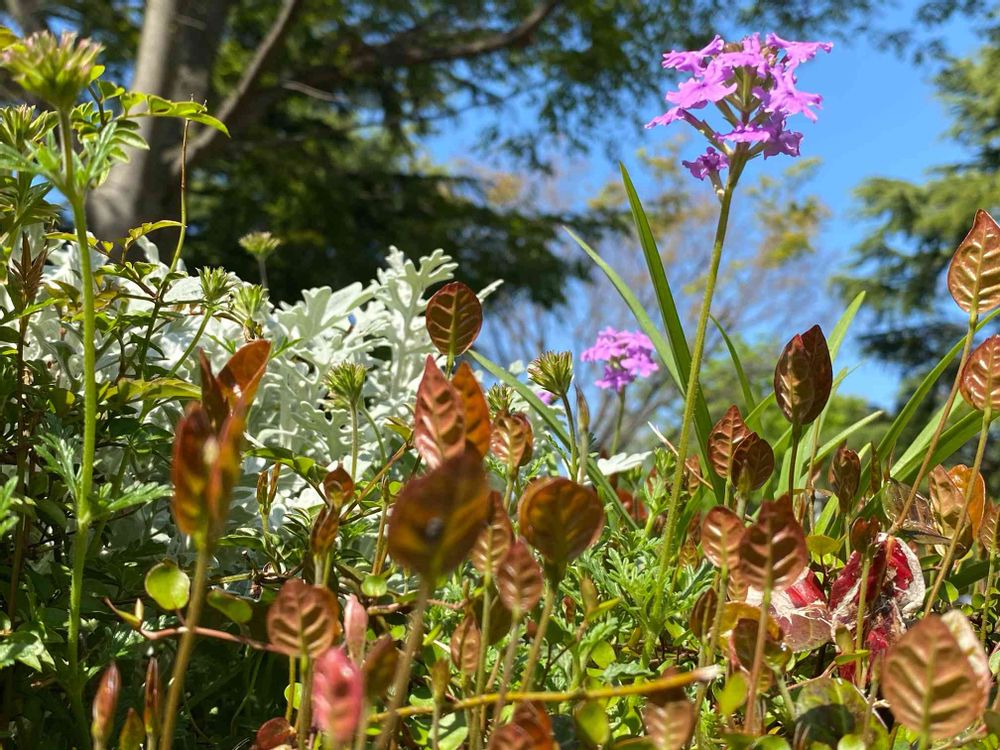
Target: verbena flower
<point>627,355</point>
<point>754,88</point>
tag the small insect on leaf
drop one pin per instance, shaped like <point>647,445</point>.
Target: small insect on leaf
<point>936,678</point>
<point>475,412</point>
<point>519,579</point>
<point>725,436</point>
<point>980,384</point>
<point>454,317</point>
<point>437,518</point>
<point>560,518</point>
<point>721,533</point>
<point>439,418</point>
<point>803,377</point>
<point>845,477</point>
<point>302,620</point>
<point>464,645</point>
<point>773,550</point>
<point>974,273</point>
<point>753,463</point>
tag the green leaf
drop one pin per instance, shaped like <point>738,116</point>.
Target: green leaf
<point>168,585</point>
<point>592,720</point>
<point>733,694</point>
<point>374,586</point>
<point>749,402</point>
<point>236,608</point>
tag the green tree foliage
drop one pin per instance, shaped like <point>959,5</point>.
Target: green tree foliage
<point>327,102</point>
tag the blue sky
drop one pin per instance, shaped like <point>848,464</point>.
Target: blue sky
<point>880,117</point>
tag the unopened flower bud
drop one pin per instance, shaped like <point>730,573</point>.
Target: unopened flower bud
<point>500,399</point>
<point>215,284</point>
<point>346,382</point>
<point>260,244</point>
<point>338,695</point>
<point>553,371</point>
<point>864,533</point>
<point>355,627</point>
<point>55,70</point>
<point>103,708</point>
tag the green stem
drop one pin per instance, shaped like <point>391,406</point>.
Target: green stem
<point>758,658</point>
<point>690,395</point>
<point>290,704</point>
<point>988,594</point>
<point>304,720</point>
<point>484,636</point>
<point>378,434</point>
<point>508,666</point>
<point>574,448</point>
<point>969,489</point>
<point>402,676</point>
<point>618,421</point>
<point>354,442</point>
<point>194,342</point>
<point>262,268</point>
<point>794,457</point>
<point>77,201</point>
<point>185,648</point>
<point>945,413</point>
<point>528,676</point>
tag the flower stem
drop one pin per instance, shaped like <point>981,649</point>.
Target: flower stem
<point>528,677</point>
<point>618,421</point>
<point>77,201</point>
<point>758,658</point>
<point>185,648</point>
<point>690,395</point>
<point>354,442</point>
<point>970,488</point>
<point>402,676</point>
<point>574,448</point>
<point>988,594</point>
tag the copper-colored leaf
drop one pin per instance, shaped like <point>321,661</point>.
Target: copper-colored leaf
<point>974,273</point>
<point>980,383</point>
<point>324,531</point>
<point>669,717</point>
<point>933,678</point>
<point>151,697</point>
<point>275,733</point>
<point>494,541</point>
<point>519,578</point>
<point>845,477</point>
<point>105,701</point>
<point>302,619</point>
<point>961,475</point>
<point>721,533</point>
<point>439,418</point>
<point>437,517</point>
<point>337,487</point>
<point>529,729</point>
<point>703,613</point>
<point>727,433</point>
<point>990,526</point>
<point>753,462</point>
<point>379,667</point>
<point>211,393</point>
<point>803,377</point>
<point>919,522</point>
<point>948,490</point>
<point>337,696</point>
<point>454,317</point>
<point>475,411</point>
<point>560,518</point>
<point>743,644</point>
<point>464,645</point>
<point>204,470</point>
<point>242,373</point>
<point>773,550</point>
<point>512,440</point>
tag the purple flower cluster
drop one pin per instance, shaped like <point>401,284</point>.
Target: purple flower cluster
<point>753,85</point>
<point>627,355</point>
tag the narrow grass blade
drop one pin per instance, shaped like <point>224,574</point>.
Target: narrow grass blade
<point>749,401</point>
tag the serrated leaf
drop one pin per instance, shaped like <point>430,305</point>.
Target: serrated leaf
<point>974,272</point>
<point>454,317</point>
<point>302,619</point>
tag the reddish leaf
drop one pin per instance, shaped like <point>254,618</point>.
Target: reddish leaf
<point>302,619</point>
<point>105,702</point>
<point>355,627</point>
<point>743,644</point>
<point>464,646</point>
<point>337,695</point>
<point>529,729</point>
<point>380,666</point>
<point>980,383</point>
<point>936,678</point>
<point>151,698</point>
<point>511,440</point>
<point>494,541</point>
<point>274,733</point>
<point>990,525</point>
<point>703,613</point>
<point>324,531</point>
<point>845,477</point>
<point>337,487</point>
<point>974,273</point>
<point>802,613</point>
<point>669,717</point>
<point>773,550</point>
<point>803,377</point>
<point>560,518</point>
<point>727,433</point>
<point>948,490</point>
<point>437,517</point>
<point>454,316</point>
<point>919,522</point>
<point>753,462</point>
<point>476,413</point>
<point>242,373</point>
<point>519,578</point>
<point>439,418</point>
<point>721,533</point>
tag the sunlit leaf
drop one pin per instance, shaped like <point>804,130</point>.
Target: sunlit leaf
<point>919,522</point>
<point>845,477</point>
<point>803,377</point>
<point>721,533</point>
<point>560,518</point>
<point>773,550</point>
<point>669,717</point>
<point>974,273</point>
<point>512,440</point>
<point>933,677</point>
<point>476,414</point>
<point>592,723</point>
<point>727,433</point>
<point>980,384</point>
<point>437,518</point>
<point>302,619</point>
<point>454,316</point>
<point>337,487</point>
<point>236,608</point>
<point>519,578</point>
<point>168,585</point>
<point>464,645</point>
<point>829,709</point>
<point>495,539</point>
<point>275,733</point>
<point>529,727</point>
<point>337,695</point>
<point>753,462</point>
<point>439,418</point>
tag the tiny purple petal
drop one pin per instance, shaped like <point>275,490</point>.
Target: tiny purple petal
<point>797,52</point>
<point>704,165</point>
<point>691,61</point>
<point>697,92</point>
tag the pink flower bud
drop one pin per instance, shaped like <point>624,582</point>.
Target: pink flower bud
<point>105,701</point>
<point>355,626</point>
<point>337,695</point>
